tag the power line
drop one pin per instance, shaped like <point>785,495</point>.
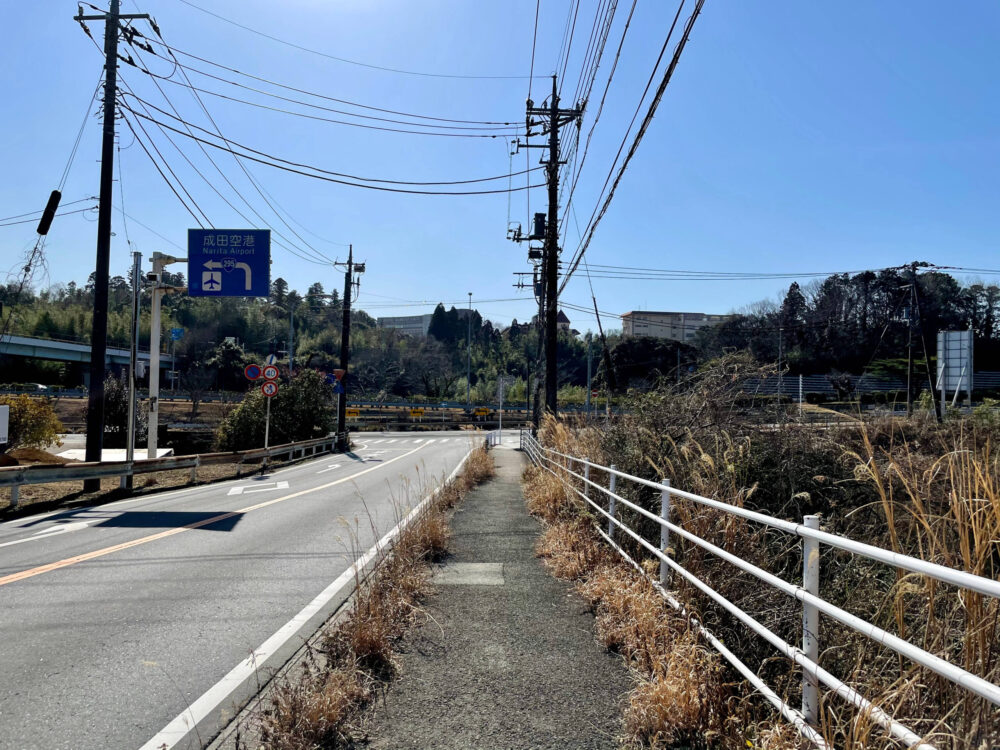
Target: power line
<point>34,213</point>
<point>322,176</point>
<point>668,74</point>
<point>61,213</point>
<point>344,59</point>
<point>287,87</point>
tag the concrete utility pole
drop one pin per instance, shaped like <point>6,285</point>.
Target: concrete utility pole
<point>552,118</point>
<point>160,261</point>
<point>133,359</point>
<point>588,376</point>
<point>468,369</point>
<point>345,343</point>
<point>99,331</point>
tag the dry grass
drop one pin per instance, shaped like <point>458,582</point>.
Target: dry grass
<point>319,706</point>
<point>679,698</point>
<point>924,490</point>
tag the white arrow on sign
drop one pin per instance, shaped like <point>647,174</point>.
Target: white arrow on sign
<point>51,531</point>
<point>331,467</point>
<point>257,488</point>
<point>214,265</point>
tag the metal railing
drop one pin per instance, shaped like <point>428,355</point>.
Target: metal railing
<point>15,476</point>
<point>805,656</point>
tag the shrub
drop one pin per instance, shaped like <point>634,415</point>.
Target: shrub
<point>33,422</point>
<point>303,409</point>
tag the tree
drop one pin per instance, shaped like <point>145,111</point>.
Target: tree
<point>228,361</point>
<point>303,409</point>
<point>279,290</point>
<point>33,422</point>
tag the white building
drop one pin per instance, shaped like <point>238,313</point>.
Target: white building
<point>676,326</point>
<point>409,325</point>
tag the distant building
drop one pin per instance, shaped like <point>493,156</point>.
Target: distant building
<point>562,323</point>
<point>408,325</point>
<point>676,326</point>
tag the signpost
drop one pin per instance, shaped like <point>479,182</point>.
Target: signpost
<point>229,262</point>
<point>176,334</point>
<point>352,413</point>
<point>4,425</point>
<point>954,364</point>
<point>269,388</point>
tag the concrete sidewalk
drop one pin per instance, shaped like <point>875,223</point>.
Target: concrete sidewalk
<point>507,657</point>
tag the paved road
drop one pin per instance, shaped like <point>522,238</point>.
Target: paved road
<point>113,619</point>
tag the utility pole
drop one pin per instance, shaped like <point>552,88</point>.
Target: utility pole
<point>468,368</point>
<point>133,358</point>
<point>158,290</point>
<point>99,331</point>
<point>345,344</point>
<point>588,376</point>
<point>291,340</point>
<point>909,343</point>
<point>551,118</point>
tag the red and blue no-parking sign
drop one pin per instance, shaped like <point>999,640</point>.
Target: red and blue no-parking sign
<point>252,372</point>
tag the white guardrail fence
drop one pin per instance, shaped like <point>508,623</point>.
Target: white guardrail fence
<point>806,656</point>
<point>15,476</point>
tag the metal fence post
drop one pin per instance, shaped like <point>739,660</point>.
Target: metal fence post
<point>664,532</point>
<point>586,477</point>
<point>194,470</point>
<point>810,621</point>
<point>15,490</point>
<point>611,501</point>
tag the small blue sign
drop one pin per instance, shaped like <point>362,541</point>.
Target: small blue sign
<point>229,262</point>
<point>176,334</point>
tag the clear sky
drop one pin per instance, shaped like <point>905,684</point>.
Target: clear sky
<point>795,137</point>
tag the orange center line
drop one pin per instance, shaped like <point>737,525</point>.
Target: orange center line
<point>66,562</point>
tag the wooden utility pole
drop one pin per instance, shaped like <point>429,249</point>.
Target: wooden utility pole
<point>99,331</point>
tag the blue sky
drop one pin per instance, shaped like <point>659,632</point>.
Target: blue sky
<point>794,137</point>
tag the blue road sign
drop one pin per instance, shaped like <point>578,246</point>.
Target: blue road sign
<point>229,262</point>
<point>176,334</point>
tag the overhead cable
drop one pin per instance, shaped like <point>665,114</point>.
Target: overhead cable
<point>344,59</point>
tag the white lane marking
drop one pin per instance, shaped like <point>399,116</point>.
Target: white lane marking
<point>331,467</point>
<point>50,532</point>
<point>420,440</point>
<point>250,488</point>
<point>394,440</point>
<point>220,692</point>
<point>377,441</point>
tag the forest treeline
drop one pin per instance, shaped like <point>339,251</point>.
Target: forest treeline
<point>842,324</point>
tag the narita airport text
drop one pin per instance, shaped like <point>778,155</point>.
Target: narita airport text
<point>229,241</point>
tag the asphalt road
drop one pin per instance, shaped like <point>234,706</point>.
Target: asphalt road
<point>114,619</point>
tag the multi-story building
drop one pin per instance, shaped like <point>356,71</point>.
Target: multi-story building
<point>676,326</point>
<point>409,325</point>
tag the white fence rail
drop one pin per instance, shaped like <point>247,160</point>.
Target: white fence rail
<point>806,656</point>
<point>16,476</point>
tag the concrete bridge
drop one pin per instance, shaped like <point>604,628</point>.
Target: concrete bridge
<point>31,347</point>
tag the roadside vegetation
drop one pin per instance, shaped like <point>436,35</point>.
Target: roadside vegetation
<point>913,486</point>
<point>319,703</point>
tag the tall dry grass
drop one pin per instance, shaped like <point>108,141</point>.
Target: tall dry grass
<point>921,489</point>
<point>318,706</point>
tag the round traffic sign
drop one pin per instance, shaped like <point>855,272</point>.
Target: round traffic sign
<point>252,372</point>
<point>270,372</point>
<point>270,359</point>
<point>270,388</point>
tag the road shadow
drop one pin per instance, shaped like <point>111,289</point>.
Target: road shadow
<point>171,519</point>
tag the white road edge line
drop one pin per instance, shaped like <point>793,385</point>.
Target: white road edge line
<point>179,727</point>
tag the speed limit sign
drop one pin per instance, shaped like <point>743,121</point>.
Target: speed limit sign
<point>270,372</point>
<point>269,389</point>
